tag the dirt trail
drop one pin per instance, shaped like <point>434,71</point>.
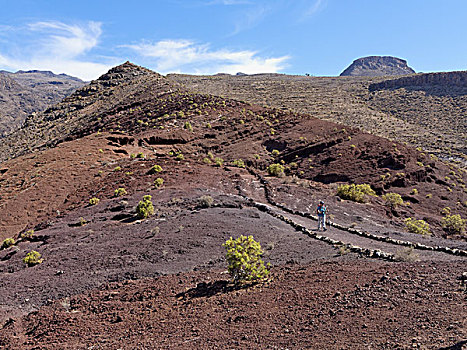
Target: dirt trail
<point>399,251</point>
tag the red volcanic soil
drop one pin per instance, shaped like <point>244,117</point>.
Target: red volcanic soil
<point>326,305</point>
<point>110,280</point>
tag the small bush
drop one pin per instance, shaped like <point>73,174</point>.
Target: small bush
<point>420,227</point>
<point>117,168</point>
<point>219,161</point>
<point>244,259</point>
<point>453,224</point>
<point>155,169</point>
<point>414,191</point>
<point>140,155</point>
<point>145,208</point>
<point>32,258</point>
<point>206,201</point>
<point>238,163</point>
<point>392,200</point>
<point>188,126</point>
<point>446,211</point>
<point>275,152</point>
<point>29,234</point>
<point>8,242</point>
<point>275,169</point>
<point>354,192</point>
<point>206,160</point>
<point>119,192</point>
<point>158,182</point>
<point>94,201</point>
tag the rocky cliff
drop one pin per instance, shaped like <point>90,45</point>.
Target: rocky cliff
<point>373,66</point>
<point>426,81</point>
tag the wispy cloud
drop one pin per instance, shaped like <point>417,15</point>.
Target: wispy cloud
<point>55,46</point>
<point>251,18</point>
<point>313,8</point>
<point>188,57</point>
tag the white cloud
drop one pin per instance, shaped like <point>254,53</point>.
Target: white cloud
<point>68,40</point>
<point>188,57</point>
<point>57,47</point>
<point>314,8</point>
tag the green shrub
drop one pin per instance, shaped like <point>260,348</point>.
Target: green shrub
<point>275,152</point>
<point>392,200</point>
<point>119,192</point>
<point>32,258</point>
<point>244,259</point>
<point>354,192</point>
<point>145,207</point>
<point>420,227</point>
<point>27,235</point>
<point>140,155</point>
<point>275,169</point>
<point>179,157</point>
<point>414,191</point>
<point>453,224</point>
<point>206,201</point>
<point>207,160</point>
<point>188,126</point>
<point>446,211</point>
<point>8,242</point>
<point>117,168</point>
<point>155,169</point>
<point>238,163</point>
<point>94,201</point>
<point>158,182</point>
<point>219,161</point>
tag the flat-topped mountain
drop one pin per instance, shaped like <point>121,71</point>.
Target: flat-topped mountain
<point>375,66</point>
<point>26,92</point>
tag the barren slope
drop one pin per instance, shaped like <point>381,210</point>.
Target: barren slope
<point>111,133</point>
<point>424,112</point>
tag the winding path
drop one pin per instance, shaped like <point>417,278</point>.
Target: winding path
<point>362,242</point>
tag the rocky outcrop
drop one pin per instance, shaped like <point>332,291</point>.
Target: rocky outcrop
<point>374,66</point>
<point>426,80</point>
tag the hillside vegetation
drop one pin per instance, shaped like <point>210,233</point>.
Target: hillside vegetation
<point>420,110</point>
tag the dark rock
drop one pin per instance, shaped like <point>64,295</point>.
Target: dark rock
<point>378,66</point>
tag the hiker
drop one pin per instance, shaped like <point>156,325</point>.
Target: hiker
<point>321,211</point>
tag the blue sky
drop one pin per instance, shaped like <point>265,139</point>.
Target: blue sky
<point>321,37</point>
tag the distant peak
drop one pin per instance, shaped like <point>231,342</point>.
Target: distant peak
<point>128,67</point>
<point>378,66</point>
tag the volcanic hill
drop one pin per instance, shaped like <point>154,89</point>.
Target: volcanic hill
<point>424,110</point>
<point>25,92</point>
<point>112,280</point>
<point>375,66</point>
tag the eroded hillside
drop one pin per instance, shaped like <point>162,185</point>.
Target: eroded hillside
<point>431,116</point>
<point>78,170</point>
